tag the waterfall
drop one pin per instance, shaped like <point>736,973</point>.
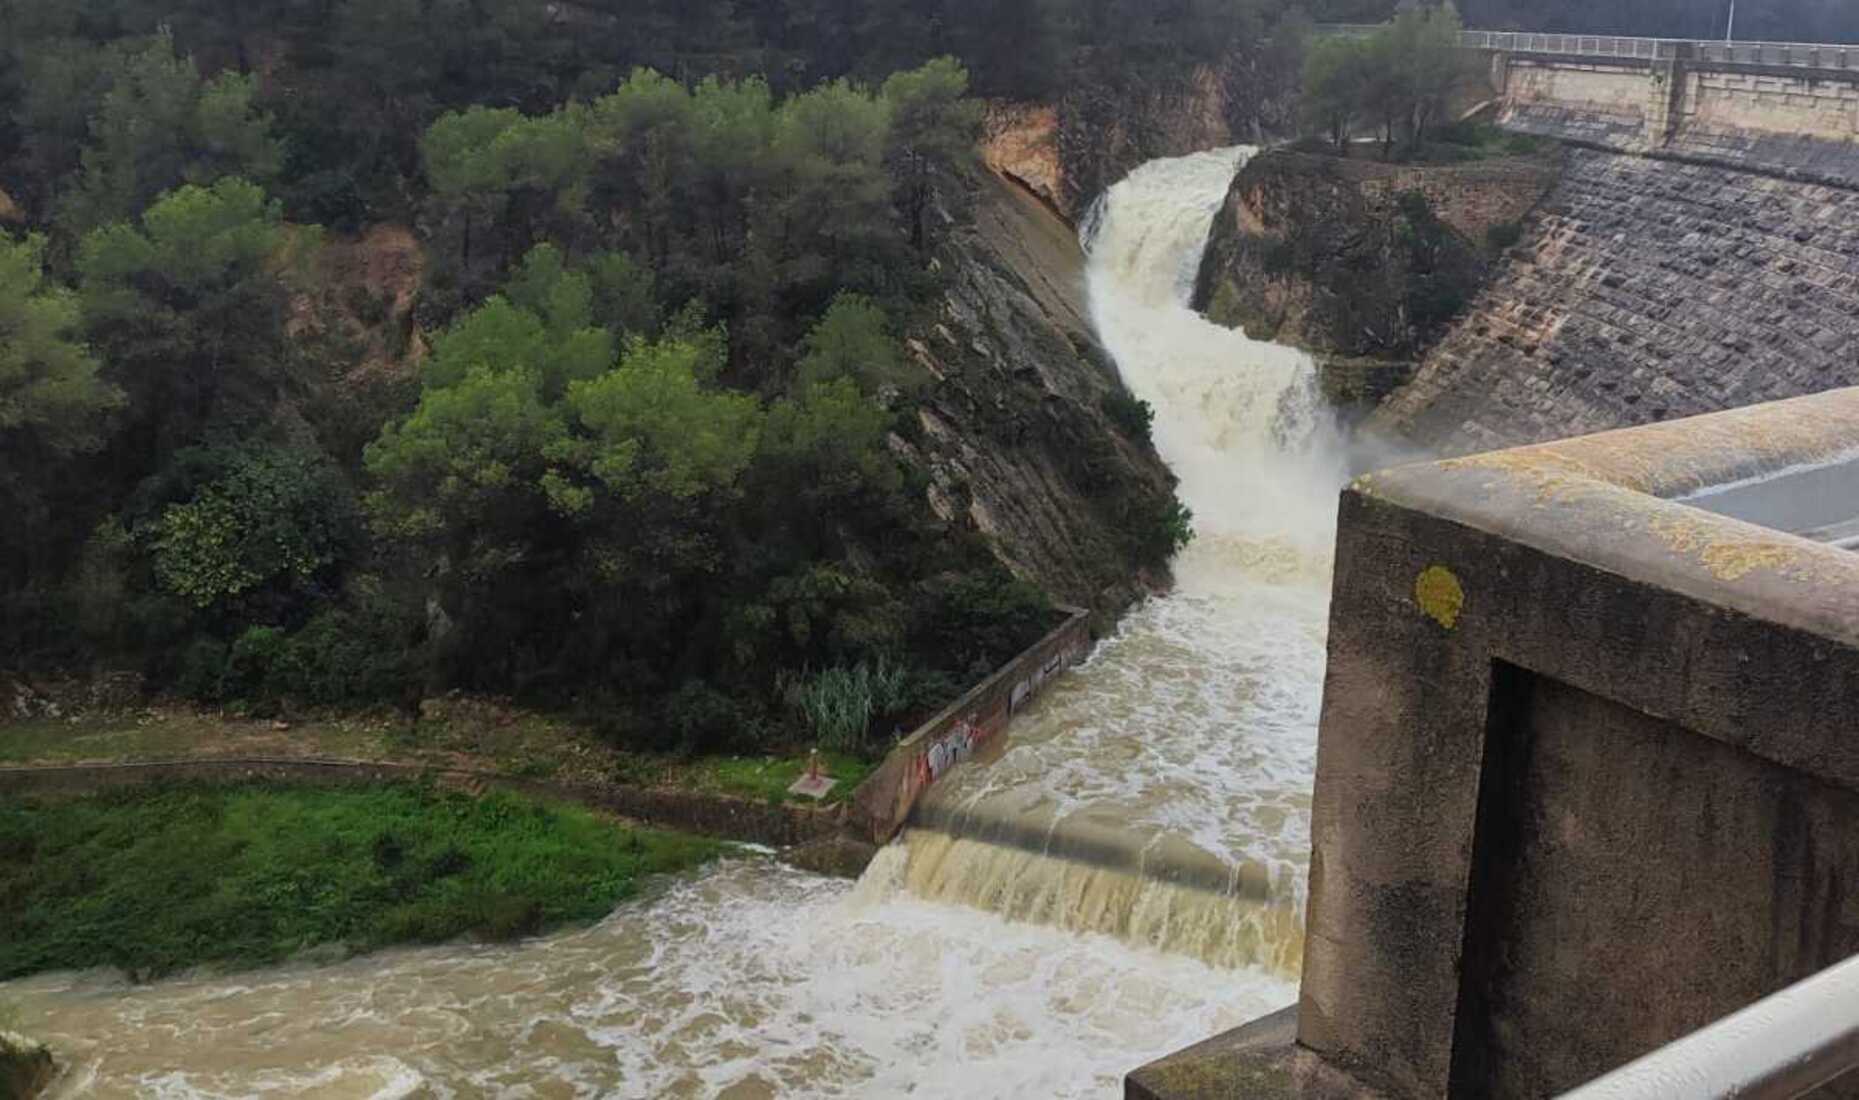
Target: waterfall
<point>1161,793</point>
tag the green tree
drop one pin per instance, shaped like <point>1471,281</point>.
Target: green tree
<point>276,519</point>
<point>1335,71</point>
<point>54,403</point>
<point>159,126</point>
<point>853,340</point>
<point>189,309</point>
<point>933,127</point>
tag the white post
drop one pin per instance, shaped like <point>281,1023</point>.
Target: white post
<point>1729,32</point>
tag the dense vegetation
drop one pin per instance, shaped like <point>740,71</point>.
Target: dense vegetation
<point>1398,81</point>
<point>620,442</point>
<point>256,875</point>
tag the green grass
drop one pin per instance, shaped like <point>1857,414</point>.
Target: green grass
<point>490,739</point>
<point>768,778</point>
<point>155,881</point>
<point>168,735</point>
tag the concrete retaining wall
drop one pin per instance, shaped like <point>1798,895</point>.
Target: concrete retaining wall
<point>883,802</point>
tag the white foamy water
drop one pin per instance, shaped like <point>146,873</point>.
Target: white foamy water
<point>750,980</point>
<point>1198,718</point>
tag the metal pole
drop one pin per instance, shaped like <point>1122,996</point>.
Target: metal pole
<point>1729,32</point>
<point>1781,1047</point>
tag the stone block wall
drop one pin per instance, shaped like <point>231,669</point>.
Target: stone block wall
<point>1645,290</point>
<point>1618,93</point>
<point>1772,103</point>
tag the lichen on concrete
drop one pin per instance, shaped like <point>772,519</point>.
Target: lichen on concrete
<point>1440,595</point>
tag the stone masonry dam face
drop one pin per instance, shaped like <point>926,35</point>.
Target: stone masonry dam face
<point>1645,290</point>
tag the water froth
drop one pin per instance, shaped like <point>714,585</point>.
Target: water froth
<point>1197,719</point>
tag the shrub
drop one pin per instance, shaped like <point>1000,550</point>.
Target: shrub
<point>202,672</point>
<point>840,703</point>
<point>1503,235</point>
<point>1133,416</point>
<point>700,719</point>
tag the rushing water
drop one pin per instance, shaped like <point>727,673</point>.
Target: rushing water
<point>1187,739</point>
<point>748,981</point>
<point>1197,721</point>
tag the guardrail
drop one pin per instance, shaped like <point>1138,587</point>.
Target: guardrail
<point>1783,1046</point>
<point>1794,55</point>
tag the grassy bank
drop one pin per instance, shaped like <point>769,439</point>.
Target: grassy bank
<point>154,881</point>
<point>473,735</point>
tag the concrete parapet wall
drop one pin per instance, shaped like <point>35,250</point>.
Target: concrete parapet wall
<point>883,802</point>
<point>1588,776</point>
<point>1693,102</point>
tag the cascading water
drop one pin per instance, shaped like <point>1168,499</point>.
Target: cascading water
<point>1190,737</point>
<point>1181,753</point>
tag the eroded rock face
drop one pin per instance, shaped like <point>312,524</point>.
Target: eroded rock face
<point>1332,255</point>
<point>1070,152</point>
<point>1014,438</point>
<point>1645,290</point>
<point>1021,142</point>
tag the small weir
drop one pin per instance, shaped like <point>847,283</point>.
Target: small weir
<point>1127,876</point>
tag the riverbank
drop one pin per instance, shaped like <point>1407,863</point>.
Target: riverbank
<point>155,880</point>
<point>457,734</point>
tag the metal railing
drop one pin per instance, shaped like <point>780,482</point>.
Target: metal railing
<point>1794,55</point>
<point>1781,1047</point>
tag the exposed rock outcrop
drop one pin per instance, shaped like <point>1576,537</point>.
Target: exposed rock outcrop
<point>1071,151</point>
<point>1343,258</point>
<point>26,1067</point>
<point>1015,440</point>
<point>1645,290</point>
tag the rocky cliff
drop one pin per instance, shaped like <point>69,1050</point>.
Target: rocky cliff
<point>1359,262</point>
<point>1070,151</point>
<point>1645,290</point>
<point>1015,440</point>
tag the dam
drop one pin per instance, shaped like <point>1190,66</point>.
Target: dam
<point>968,961</point>
<point>1133,871</point>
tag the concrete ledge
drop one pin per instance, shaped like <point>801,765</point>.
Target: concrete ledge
<point>1260,1061</point>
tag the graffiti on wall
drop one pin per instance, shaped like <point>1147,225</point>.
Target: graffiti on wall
<point>939,754</point>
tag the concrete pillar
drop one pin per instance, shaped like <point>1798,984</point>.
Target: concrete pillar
<point>1667,107</point>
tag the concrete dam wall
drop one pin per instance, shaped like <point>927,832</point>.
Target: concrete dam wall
<point>1696,253</point>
